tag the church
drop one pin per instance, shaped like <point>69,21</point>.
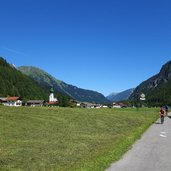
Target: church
<point>52,99</point>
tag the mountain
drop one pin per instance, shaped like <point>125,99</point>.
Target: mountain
<point>111,96</point>
<point>124,95</point>
<point>157,88</point>
<point>46,79</point>
<point>15,83</point>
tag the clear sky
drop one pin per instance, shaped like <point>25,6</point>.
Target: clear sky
<point>102,45</point>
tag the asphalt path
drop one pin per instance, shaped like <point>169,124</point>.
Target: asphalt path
<point>151,153</point>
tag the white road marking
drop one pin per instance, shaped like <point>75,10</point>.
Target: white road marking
<point>164,136</point>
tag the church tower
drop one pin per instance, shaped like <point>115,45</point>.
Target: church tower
<point>52,99</point>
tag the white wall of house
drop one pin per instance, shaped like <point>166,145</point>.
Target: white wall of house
<point>116,106</point>
<point>78,104</point>
<point>13,103</point>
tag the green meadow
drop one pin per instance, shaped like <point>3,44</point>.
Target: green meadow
<point>68,139</point>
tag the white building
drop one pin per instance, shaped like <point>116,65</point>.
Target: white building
<point>11,101</point>
<point>52,99</point>
<point>34,103</point>
<point>119,105</point>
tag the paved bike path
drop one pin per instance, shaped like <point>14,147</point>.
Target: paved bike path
<point>151,153</point>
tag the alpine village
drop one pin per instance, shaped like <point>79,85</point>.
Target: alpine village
<point>31,86</point>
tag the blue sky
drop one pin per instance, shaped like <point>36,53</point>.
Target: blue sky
<point>102,45</point>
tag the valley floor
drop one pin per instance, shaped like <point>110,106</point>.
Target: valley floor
<point>68,139</point>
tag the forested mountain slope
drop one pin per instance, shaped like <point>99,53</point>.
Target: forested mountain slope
<point>157,88</point>
<point>15,83</point>
<point>46,79</point>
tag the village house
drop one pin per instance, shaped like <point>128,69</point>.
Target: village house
<point>11,101</point>
<point>2,100</point>
<point>34,103</point>
<point>119,105</point>
<point>89,105</point>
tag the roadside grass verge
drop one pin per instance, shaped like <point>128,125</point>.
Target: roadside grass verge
<point>68,139</point>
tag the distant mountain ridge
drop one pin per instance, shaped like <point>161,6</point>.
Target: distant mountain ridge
<point>157,88</point>
<point>46,79</point>
<point>124,95</point>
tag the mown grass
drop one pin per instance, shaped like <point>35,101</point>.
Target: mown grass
<point>67,139</point>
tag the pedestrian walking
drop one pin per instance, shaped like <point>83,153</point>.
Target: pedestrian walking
<point>162,114</point>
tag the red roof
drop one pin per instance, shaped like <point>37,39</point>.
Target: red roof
<point>52,103</point>
<point>12,98</point>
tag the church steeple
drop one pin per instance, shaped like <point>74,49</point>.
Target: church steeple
<point>52,99</point>
<point>51,90</point>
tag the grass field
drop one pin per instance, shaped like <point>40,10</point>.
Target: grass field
<point>68,139</point>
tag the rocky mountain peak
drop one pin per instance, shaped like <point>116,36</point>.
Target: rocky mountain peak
<point>163,76</point>
<point>166,70</point>
<point>157,88</point>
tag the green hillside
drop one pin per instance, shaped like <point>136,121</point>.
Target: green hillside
<point>15,83</point>
<point>46,79</point>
